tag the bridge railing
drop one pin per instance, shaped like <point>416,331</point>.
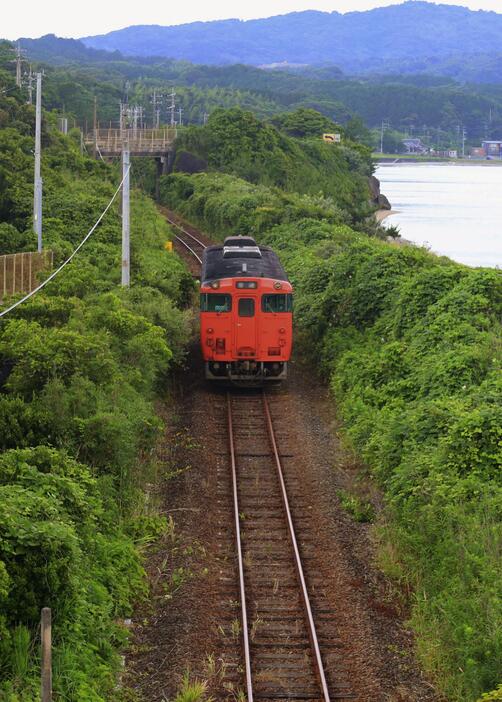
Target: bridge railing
<point>19,271</point>
<point>139,140</point>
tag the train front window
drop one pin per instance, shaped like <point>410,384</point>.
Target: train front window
<point>277,302</point>
<point>246,307</point>
<point>215,302</point>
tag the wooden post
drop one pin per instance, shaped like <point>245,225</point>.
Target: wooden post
<point>46,634</point>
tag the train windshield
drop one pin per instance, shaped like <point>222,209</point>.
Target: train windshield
<point>246,307</point>
<point>277,302</point>
<point>215,302</point>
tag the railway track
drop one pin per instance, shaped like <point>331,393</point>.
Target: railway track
<point>283,643</point>
<point>190,242</point>
<point>279,633</point>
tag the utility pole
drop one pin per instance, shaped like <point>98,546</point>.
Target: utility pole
<point>205,117</point>
<point>18,66</point>
<point>156,102</point>
<point>30,87</point>
<point>180,119</point>
<point>37,194</point>
<point>385,126</point>
<point>172,107</point>
<point>135,115</point>
<point>95,126</point>
<point>464,136</point>
<point>126,233</point>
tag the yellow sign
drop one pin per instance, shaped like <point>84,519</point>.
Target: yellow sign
<point>332,138</point>
<point>168,246</point>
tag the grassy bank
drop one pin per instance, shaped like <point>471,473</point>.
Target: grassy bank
<point>411,345</point>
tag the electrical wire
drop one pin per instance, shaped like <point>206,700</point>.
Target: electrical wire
<point>58,270</point>
<point>9,90</point>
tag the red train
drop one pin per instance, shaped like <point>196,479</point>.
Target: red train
<point>246,312</point>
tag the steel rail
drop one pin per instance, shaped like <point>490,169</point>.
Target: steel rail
<point>319,668</point>
<point>182,229</point>
<point>194,254</point>
<point>245,630</point>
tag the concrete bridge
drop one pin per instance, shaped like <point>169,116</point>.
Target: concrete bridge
<point>140,142</point>
<point>151,143</point>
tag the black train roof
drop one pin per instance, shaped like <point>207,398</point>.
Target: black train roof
<point>216,266</point>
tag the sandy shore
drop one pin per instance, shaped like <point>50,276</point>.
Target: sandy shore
<point>383,214</point>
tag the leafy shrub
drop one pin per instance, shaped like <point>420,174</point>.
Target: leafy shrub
<point>412,345</point>
<point>80,365</point>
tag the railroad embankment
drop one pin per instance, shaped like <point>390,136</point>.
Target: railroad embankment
<point>410,344</point>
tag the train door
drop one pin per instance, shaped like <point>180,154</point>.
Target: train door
<point>246,327</point>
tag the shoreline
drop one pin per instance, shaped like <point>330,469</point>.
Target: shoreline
<point>380,215</point>
<point>452,162</point>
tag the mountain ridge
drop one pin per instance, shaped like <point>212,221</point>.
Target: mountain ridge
<point>354,40</point>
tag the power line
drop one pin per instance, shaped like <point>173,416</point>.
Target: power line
<point>58,270</point>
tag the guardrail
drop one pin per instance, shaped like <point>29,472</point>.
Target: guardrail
<point>19,271</point>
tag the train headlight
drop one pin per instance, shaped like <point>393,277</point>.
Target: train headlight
<point>215,284</point>
<point>210,330</point>
<point>277,285</point>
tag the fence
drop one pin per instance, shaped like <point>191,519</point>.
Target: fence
<point>19,272</point>
<point>140,141</point>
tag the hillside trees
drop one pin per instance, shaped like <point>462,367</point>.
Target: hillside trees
<point>235,141</point>
<point>80,366</point>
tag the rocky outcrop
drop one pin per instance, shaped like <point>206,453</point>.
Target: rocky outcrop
<point>378,198</point>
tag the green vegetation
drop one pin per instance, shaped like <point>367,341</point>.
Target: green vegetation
<point>80,365</point>
<point>296,176</point>
<point>428,106</point>
<point>411,345</point>
<point>361,510</point>
<point>409,342</point>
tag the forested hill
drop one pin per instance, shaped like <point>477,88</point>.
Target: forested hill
<point>353,41</point>
<point>438,103</point>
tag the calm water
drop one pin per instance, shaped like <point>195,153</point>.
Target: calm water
<point>453,210</point>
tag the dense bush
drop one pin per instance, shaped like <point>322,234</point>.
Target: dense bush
<point>411,343</point>
<point>80,365</point>
<point>237,142</point>
<point>224,204</point>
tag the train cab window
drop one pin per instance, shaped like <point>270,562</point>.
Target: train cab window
<point>277,302</point>
<point>246,307</point>
<point>215,302</point>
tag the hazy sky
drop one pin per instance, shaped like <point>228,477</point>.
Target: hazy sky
<point>69,19</point>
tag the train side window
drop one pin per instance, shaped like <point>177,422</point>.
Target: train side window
<point>246,307</point>
<point>277,302</point>
<point>215,302</point>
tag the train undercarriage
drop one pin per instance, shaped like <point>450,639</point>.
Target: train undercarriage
<point>246,370</point>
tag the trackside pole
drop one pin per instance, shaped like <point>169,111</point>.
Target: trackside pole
<point>126,222</point>
<point>46,635</point>
<point>37,195</point>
